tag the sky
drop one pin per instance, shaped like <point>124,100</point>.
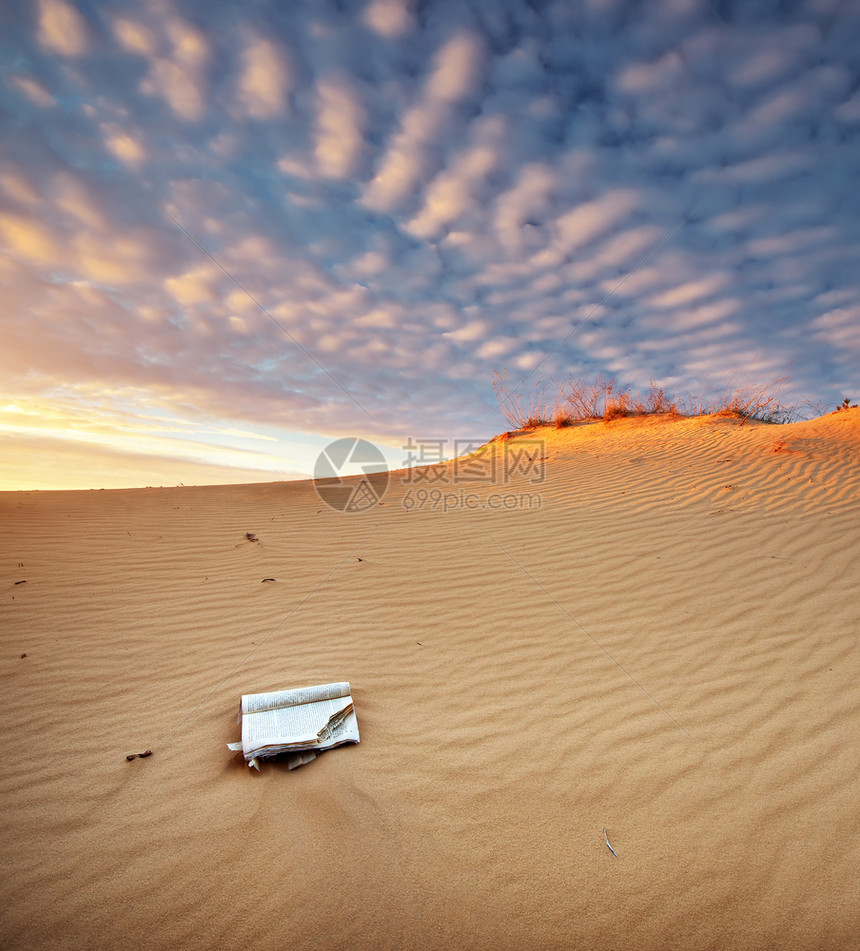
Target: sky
<point>233,232</point>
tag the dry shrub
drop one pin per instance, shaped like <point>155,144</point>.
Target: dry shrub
<point>618,405</point>
<point>602,397</point>
<point>588,399</point>
<point>584,398</point>
<point>533,420</point>
<point>745,401</point>
<point>560,414</point>
<point>656,403</point>
<point>520,414</point>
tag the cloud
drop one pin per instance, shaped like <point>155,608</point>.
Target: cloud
<point>652,78</point>
<point>25,237</point>
<point>61,28</point>
<point>382,203</point>
<point>775,55</point>
<point>409,157</point>
<point>458,187</point>
<point>126,259</point>
<point>74,234</point>
<point>339,127</point>
<point>79,201</point>
<point>134,37</point>
<point>592,219</point>
<point>38,441</point>
<point>849,110</point>
<point>180,77</point>
<point>688,292</point>
<point>389,18</point>
<point>196,287</point>
<point>124,146</point>
<point>840,326</point>
<point>455,70</point>
<point>34,91</point>
<point>264,80</point>
<point>763,169</point>
<point>525,206</point>
<point>179,86</point>
<point>18,188</point>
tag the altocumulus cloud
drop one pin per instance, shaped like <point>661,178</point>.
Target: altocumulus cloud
<point>330,217</point>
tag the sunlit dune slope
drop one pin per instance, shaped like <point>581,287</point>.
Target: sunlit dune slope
<point>648,626</point>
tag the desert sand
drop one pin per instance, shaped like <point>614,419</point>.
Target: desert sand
<point>652,628</point>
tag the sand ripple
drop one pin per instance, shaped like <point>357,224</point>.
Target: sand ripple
<point>663,643</point>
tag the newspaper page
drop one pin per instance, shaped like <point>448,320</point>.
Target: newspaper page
<point>299,722</point>
<point>253,703</point>
<point>294,726</point>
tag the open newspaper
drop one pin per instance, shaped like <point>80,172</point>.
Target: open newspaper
<point>300,722</point>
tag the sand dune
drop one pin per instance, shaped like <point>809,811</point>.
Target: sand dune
<point>649,626</point>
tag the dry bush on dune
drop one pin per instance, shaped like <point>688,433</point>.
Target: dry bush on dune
<point>657,402</point>
<point>520,414</point>
<point>561,416</point>
<point>586,399</point>
<point>745,401</point>
<point>603,398</point>
<point>581,399</point>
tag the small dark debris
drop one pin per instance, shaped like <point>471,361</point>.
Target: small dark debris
<point>267,579</point>
<point>21,582</point>
<point>143,755</point>
<point>23,656</point>
<point>361,559</point>
<point>251,537</point>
